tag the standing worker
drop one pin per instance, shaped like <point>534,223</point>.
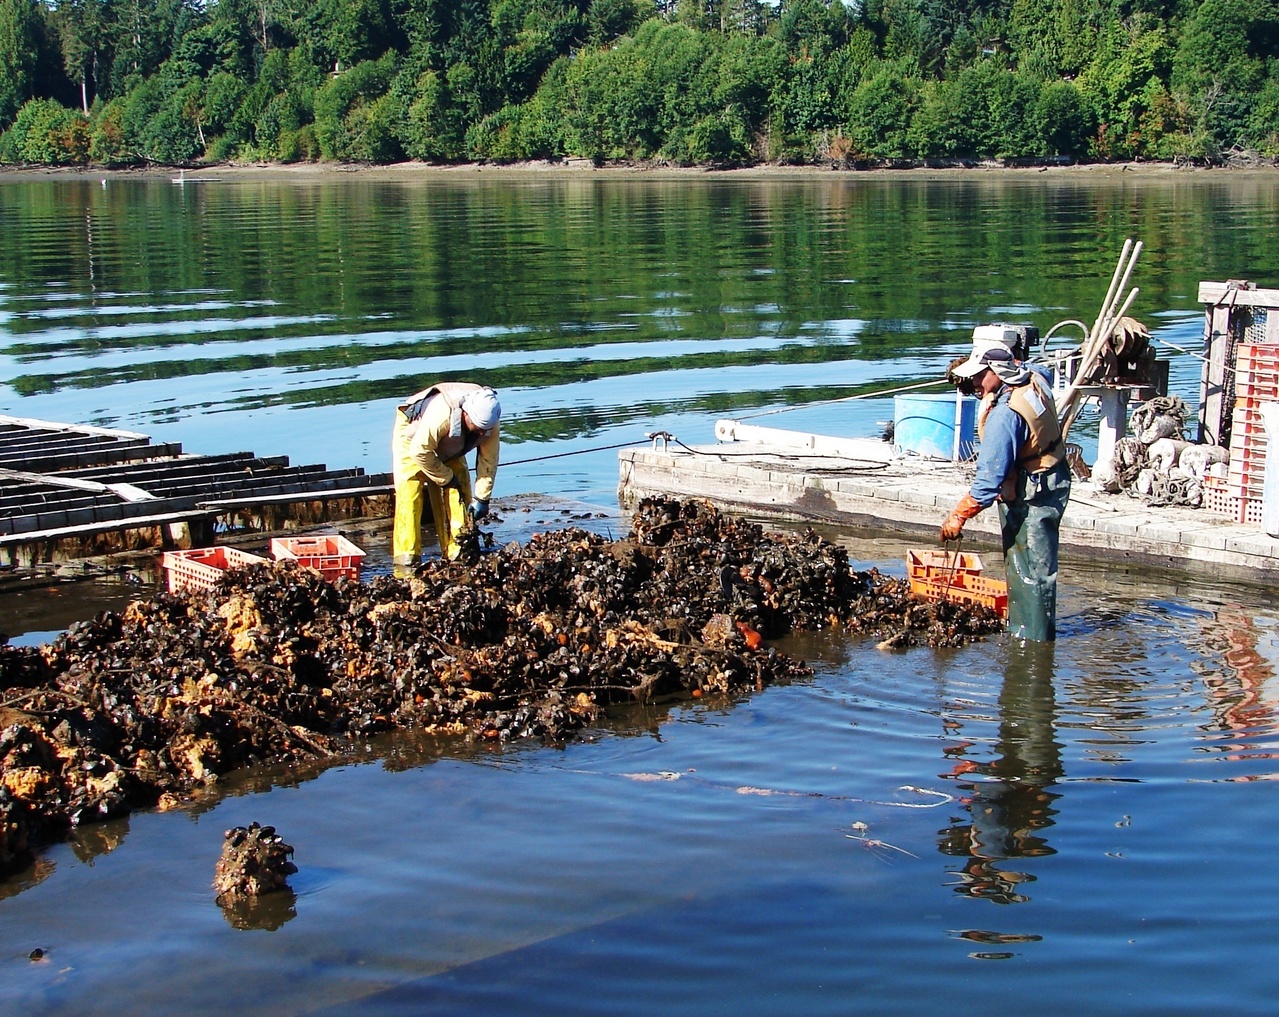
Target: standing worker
<point>434,430</point>
<point>1022,465</point>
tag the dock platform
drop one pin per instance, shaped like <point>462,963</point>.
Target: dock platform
<point>72,491</point>
<point>861,483</point>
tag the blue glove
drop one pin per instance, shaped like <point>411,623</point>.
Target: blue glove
<point>479,509</point>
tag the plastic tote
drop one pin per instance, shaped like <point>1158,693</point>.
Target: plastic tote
<point>935,426</point>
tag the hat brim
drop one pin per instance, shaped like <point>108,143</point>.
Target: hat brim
<point>970,368</point>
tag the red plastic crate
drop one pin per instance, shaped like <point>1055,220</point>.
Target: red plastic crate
<point>964,588</point>
<point>955,576</point>
<point>201,568</point>
<point>926,563</point>
<point>1248,446</point>
<point>1222,498</point>
<point>329,554</point>
<point>1257,371</point>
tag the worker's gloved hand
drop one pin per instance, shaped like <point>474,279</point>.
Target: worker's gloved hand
<point>960,514</point>
<point>479,508</point>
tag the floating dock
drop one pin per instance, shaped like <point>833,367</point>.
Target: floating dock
<point>862,483</point>
<point>72,491</point>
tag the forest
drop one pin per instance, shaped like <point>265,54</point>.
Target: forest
<point>844,83</point>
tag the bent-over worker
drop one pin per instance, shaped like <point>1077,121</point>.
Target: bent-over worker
<point>1022,465</point>
<point>434,430</point>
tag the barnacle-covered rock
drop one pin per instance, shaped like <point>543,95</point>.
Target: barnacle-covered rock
<point>254,860</point>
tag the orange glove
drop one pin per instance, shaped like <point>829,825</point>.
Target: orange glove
<point>960,514</point>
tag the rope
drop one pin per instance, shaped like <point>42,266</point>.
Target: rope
<point>843,399</point>
<point>579,452</point>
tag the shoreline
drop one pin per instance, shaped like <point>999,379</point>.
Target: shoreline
<point>579,168</point>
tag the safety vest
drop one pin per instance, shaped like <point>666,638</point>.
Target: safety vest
<point>1044,448</point>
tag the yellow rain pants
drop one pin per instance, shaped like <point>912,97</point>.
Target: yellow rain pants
<point>448,504</point>
<point>448,510</point>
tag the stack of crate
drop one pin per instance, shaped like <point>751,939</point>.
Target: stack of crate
<point>1256,382</point>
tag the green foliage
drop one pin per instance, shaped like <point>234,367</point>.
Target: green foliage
<point>880,112</point>
<point>161,119</point>
<point>532,130</point>
<point>1263,122</point>
<point>45,131</point>
<point>987,111</point>
<point>433,129</point>
<point>18,55</point>
<point>1052,38</point>
<point>1063,120</point>
<point>670,91</point>
<point>1221,61</point>
<point>720,139</point>
<point>353,118</point>
<point>692,81</point>
<point>533,34</point>
<point>107,143</point>
<point>1124,78</point>
<point>608,19</point>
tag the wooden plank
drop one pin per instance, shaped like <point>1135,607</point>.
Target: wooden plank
<point>101,456</point>
<point>102,526</point>
<point>188,465</point>
<point>371,490</point>
<point>53,425</point>
<point>1236,296</point>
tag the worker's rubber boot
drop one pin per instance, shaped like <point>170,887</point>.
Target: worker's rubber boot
<point>1030,535</point>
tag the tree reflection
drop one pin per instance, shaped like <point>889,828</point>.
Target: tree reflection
<point>1009,800</point>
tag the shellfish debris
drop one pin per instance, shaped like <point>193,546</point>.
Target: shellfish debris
<point>144,707</point>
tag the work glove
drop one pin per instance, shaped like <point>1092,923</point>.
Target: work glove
<point>479,508</point>
<point>960,514</point>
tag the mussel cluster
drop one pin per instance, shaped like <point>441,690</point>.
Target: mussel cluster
<point>138,708</point>
<point>254,860</point>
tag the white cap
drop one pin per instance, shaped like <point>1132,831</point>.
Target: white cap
<point>483,408</point>
<point>985,352</point>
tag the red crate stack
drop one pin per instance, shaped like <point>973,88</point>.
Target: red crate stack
<point>1256,381</point>
<point>1247,450</point>
<point>1217,498</point>
<point>1257,371</point>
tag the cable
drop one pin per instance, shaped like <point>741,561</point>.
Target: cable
<point>844,399</point>
<point>578,452</point>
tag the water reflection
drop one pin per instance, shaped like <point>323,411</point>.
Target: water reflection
<point>265,913</point>
<point>1009,800</point>
<point>1236,676</point>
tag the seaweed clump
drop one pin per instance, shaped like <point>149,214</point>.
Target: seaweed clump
<point>142,707</point>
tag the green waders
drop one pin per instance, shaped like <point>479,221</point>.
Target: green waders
<point>1030,529</point>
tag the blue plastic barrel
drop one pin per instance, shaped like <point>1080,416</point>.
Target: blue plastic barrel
<point>926,425</point>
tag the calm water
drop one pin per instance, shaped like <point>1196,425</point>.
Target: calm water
<point>1087,828</point>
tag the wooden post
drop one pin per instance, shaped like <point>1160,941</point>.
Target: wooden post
<point>1212,382</point>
